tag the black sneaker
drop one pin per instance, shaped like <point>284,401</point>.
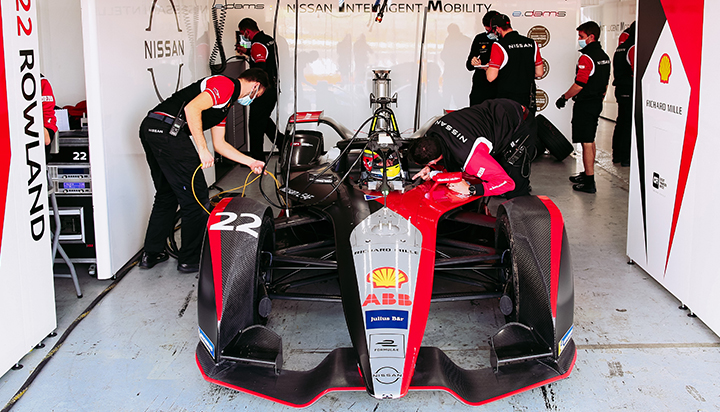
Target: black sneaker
<point>578,178</point>
<point>188,267</point>
<point>587,187</point>
<point>148,260</point>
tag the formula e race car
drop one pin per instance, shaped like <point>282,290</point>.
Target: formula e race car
<point>354,229</point>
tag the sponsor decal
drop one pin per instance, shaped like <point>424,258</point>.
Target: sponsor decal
<point>658,181</point>
<point>367,199</point>
<point>665,69</point>
<point>374,7</point>
<point>206,342</point>
<point>293,192</point>
<point>400,299</point>
<point>387,375</point>
<point>540,13</point>
<point>386,319</point>
<point>540,34</point>
<point>387,346</point>
<point>161,49</point>
<point>387,277</point>
<point>384,249</point>
<point>541,99</point>
<point>565,340</point>
<point>249,6</point>
<point>665,107</point>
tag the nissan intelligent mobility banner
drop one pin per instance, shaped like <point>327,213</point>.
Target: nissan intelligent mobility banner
<point>339,45</point>
<point>27,304</point>
<point>673,224</point>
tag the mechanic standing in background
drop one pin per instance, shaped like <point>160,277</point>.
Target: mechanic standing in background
<point>515,62</point>
<point>482,140</point>
<point>167,134</point>
<point>623,68</point>
<point>49,119</point>
<point>262,55</point>
<point>478,60</point>
<point>592,75</point>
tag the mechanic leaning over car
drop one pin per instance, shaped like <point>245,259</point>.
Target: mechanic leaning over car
<point>167,134</point>
<point>262,56</point>
<point>487,140</point>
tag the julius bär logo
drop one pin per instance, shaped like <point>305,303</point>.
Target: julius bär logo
<point>665,69</point>
<point>164,49</point>
<point>387,277</point>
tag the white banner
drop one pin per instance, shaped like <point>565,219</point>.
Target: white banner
<point>27,299</point>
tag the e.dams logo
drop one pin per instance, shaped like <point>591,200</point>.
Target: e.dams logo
<point>540,13</point>
<point>387,277</point>
<point>665,69</point>
<point>162,49</point>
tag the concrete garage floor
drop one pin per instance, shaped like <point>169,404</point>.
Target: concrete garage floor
<point>636,350</point>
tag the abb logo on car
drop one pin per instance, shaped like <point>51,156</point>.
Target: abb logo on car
<point>387,277</point>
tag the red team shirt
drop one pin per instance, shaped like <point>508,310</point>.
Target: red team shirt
<point>221,89</point>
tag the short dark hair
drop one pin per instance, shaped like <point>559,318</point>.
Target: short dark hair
<point>502,21</point>
<point>248,23</point>
<point>590,27</point>
<point>487,18</point>
<point>425,149</point>
<point>256,75</point>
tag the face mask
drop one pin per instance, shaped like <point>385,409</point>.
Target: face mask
<point>582,43</point>
<point>245,101</point>
<point>492,36</point>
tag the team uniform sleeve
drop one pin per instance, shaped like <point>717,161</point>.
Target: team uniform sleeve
<point>221,89</point>
<point>495,181</point>
<point>497,56</point>
<point>259,54</point>
<point>538,57</point>
<point>48,104</point>
<point>585,67</point>
<point>631,57</point>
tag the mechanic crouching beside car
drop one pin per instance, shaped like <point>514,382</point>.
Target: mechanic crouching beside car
<point>167,134</point>
<point>488,140</point>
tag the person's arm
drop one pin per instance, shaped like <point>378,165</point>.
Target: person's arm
<point>585,67</point>
<point>539,67</point>
<point>497,61</point>
<point>495,181</point>
<point>472,59</point>
<point>227,150</point>
<point>193,116</point>
<point>48,105</point>
<point>259,54</point>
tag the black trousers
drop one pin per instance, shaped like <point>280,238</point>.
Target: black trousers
<point>622,134</point>
<point>172,162</point>
<point>261,124</point>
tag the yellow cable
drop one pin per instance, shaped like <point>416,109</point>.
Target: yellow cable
<point>192,185</point>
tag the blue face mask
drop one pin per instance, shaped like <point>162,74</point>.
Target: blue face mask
<point>582,43</point>
<point>492,36</point>
<point>245,101</point>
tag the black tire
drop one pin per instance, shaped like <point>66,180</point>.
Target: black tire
<point>553,139</point>
<point>504,242</point>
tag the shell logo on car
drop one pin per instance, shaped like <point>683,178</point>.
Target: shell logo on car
<point>387,277</point>
<point>665,68</point>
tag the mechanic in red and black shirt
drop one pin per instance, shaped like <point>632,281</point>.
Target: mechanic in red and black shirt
<point>49,118</point>
<point>167,135</point>
<point>262,55</point>
<point>592,75</point>
<point>623,67</point>
<point>477,140</point>
<point>478,60</point>
<point>515,62</point>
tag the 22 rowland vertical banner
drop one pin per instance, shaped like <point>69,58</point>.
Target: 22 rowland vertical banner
<point>27,306</point>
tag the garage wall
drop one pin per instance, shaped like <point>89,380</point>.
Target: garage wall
<point>338,48</point>
<point>137,52</point>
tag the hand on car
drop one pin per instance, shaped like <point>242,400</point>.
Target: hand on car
<point>461,187</point>
<point>424,174</point>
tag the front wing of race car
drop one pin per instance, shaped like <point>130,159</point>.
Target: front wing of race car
<point>385,258</point>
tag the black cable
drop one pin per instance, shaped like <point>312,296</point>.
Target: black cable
<point>118,277</point>
<point>219,25</point>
